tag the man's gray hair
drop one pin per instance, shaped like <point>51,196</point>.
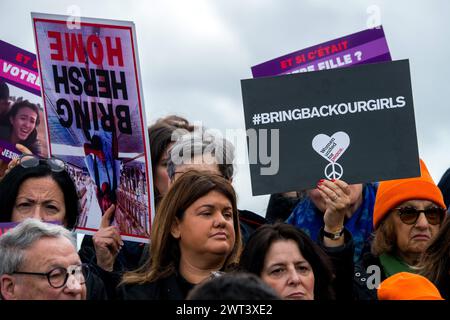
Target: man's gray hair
<point>191,145</point>
<point>16,241</point>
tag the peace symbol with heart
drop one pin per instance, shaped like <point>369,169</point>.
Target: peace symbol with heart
<point>332,148</point>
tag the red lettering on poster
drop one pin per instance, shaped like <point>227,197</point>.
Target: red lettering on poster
<point>56,46</point>
<point>75,47</point>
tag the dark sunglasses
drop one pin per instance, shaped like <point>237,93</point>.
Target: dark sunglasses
<point>409,215</point>
<point>31,160</point>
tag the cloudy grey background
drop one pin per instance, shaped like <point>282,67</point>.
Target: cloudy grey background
<point>194,53</point>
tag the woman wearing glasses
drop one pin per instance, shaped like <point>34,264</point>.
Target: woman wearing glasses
<point>407,215</point>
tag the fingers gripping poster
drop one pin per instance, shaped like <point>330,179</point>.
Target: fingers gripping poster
<point>93,99</point>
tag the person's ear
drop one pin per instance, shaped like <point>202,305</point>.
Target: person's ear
<point>7,287</point>
<point>175,229</point>
<point>11,120</point>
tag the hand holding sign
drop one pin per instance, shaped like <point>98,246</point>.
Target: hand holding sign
<point>332,148</point>
<point>107,241</point>
<point>338,205</point>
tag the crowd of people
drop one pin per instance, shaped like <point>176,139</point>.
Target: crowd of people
<point>387,240</point>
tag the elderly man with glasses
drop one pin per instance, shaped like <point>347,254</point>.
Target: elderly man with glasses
<point>39,261</point>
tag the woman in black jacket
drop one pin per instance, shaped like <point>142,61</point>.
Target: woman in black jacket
<point>195,233</point>
<point>105,251</point>
<point>408,214</point>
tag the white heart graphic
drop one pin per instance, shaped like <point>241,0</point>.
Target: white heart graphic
<point>331,148</point>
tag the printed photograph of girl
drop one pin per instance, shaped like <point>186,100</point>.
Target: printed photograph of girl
<point>22,121</point>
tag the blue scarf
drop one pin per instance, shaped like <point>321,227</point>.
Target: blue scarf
<point>308,218</point>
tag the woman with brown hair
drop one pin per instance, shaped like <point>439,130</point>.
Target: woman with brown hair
<point>195,233</point>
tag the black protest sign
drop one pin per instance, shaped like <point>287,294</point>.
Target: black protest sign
<point>354,124</point>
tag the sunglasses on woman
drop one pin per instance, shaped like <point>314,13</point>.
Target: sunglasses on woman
<point>31,160</point>
<point>409,215</point>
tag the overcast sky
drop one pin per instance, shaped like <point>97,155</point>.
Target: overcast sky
<point>193,54</point>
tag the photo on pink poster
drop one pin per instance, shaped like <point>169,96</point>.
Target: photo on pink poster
<point>96,119</point>
<point>22,114</point>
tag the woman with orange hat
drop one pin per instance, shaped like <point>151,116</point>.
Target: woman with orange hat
<point>407,215</point>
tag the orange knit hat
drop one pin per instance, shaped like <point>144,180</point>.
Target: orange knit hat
<point>393,192</point>
<point>408,286</point>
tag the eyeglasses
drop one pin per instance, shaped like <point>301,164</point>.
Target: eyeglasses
<point>409,215</point>
<point>31,160</point>
<point>57,278</point>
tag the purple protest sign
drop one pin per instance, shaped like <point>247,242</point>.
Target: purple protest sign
<point>8,151</point>
<point>366,46</point>
<point>19,67</point>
